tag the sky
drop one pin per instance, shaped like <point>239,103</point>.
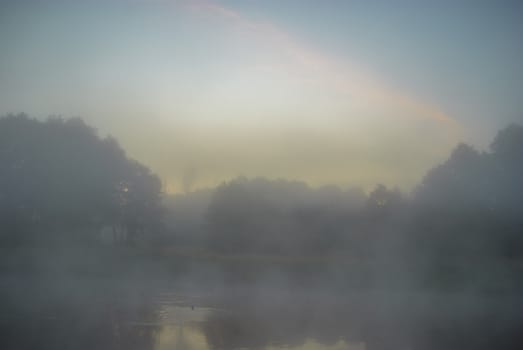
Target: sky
<point>351,93</point>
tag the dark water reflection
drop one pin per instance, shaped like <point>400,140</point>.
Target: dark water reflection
<point>161,318</point>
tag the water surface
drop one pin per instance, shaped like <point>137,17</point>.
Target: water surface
<point>114,315</point>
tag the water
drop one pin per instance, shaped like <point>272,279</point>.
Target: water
<point>159,316</point>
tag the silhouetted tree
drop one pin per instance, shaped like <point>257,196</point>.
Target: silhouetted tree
<point>508,143</point>
<point>276,216</point>
<point>58,176</point>
<point>468,210</point>
<point>382,201</point>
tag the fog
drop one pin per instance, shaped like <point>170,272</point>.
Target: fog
<point>96,255</point>
<point>261,175</point>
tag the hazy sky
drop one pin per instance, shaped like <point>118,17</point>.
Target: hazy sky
<point>345,92</point>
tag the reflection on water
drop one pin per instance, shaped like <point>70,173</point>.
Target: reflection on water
<point>192,337</point>
<point>134,319</point>
<point>181,337</point>
<point>189,328</point>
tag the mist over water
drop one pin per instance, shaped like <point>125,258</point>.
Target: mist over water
<point>261,175</point>
<point>95,256</point>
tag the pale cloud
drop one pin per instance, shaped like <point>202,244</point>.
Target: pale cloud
<point>287,110</point>
<point>206,93</point>
<point>310,65</point>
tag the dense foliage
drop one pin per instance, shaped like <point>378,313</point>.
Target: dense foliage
<point>57,177</point>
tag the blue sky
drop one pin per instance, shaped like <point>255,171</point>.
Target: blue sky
<point>344,92</point>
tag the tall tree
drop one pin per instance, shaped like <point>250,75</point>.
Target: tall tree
<point>59,175</point>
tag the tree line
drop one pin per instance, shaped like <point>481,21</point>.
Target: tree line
<point>60,181</point>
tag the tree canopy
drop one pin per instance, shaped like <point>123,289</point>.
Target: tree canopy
<point>59,174</point>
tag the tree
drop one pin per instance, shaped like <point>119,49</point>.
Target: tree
<point>382,201</point>
<point>509,142</point>
<point>280,217</point>
<point>59,176</point>
<point>468,210</point>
